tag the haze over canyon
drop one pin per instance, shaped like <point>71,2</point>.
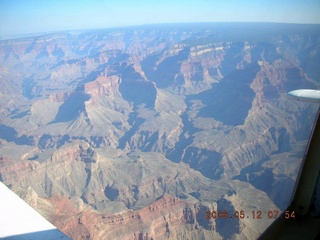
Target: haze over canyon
<point>135,133</point>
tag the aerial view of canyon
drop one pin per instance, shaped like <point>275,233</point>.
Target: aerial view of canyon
<point>157,131</point>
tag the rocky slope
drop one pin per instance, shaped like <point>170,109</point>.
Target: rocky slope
<point>135,133</point>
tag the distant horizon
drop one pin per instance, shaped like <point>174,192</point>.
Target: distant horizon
<point>8,36</point>
<point>30,17</point>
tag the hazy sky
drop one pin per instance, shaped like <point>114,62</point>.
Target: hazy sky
<point>31,16</point>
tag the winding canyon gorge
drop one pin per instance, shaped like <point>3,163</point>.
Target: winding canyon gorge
<point>135,133</point>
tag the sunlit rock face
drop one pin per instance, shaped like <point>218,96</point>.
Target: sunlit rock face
<point>136,133</point>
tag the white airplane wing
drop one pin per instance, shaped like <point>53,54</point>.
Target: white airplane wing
<point>306,95</point>
<point>18,220</point>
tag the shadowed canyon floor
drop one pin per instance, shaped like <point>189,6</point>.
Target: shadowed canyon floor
<point>135,133</point>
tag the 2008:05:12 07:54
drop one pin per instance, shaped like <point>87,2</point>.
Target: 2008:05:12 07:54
<point>272,214</point>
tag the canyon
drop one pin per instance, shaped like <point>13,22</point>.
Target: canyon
<point>136,133</point>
